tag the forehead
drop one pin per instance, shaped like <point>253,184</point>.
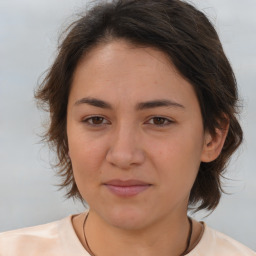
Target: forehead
<point>122,55</point>
<point>129,72</point>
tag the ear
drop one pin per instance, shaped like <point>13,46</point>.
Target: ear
<point>213,144</point>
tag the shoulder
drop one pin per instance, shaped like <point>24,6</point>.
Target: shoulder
<point>217,243</point>
<point>32,240</point>
<point>229,245</point>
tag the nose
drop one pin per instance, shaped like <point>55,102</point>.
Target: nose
<point>124,151</point>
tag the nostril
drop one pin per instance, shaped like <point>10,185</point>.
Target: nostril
<point>125,159</point>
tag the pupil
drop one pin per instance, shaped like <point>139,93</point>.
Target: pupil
<point>158,120</point>
<point>97,120</point>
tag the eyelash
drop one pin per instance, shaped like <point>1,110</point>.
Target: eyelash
<point>89,120</point>
<point>165,120</point>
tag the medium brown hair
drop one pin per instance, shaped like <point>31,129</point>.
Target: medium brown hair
<point>189,39</point>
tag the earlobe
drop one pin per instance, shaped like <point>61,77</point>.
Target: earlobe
<point>213,144</point>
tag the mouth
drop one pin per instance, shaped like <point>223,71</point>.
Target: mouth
<point>126,188</point>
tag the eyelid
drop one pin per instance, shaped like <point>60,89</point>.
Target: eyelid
<point>88,118</point>
<point>168,121</point>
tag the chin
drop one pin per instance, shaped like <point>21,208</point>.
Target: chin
<point>128,218</point>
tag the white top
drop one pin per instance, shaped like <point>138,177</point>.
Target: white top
<point>59,239</point>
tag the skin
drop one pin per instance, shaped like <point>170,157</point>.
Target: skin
<point>126,139</point>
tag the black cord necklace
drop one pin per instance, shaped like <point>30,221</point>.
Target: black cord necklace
<point>184,253</point>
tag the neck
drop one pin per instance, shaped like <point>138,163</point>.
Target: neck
<point>167,237</point>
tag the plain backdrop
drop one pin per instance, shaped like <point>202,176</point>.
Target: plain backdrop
<point>29,32</point>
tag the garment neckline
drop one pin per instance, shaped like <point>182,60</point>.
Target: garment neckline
<point>69,238</point>
<point>68,234</point>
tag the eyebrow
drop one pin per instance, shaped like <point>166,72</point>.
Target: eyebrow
<point>140,106</point>
<point>158,103</point>
<point>93,102</point>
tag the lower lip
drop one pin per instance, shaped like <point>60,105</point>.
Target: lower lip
<point>127,191</point>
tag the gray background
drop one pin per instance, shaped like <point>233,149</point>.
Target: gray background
<point>29,31</point>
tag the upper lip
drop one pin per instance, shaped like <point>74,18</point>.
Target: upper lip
<point>126,183</point>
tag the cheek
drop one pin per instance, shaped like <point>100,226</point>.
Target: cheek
<point>177,161</point>
<point>86,156</point>
<point>86,168</point>
<point>84,149</point>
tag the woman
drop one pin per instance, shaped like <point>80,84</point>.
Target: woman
<point>142,101</point>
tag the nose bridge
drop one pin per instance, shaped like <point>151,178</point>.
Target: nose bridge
<point>126,134</point>
<point>125,149</point>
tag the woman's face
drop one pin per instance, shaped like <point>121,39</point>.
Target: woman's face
<point>135,135</point>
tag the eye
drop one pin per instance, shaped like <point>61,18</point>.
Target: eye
<point>96,121</point>
<point>159,121</point>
